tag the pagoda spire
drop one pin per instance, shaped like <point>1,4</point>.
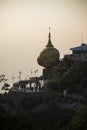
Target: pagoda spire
<point>49,33</point>
<point>49,44</point>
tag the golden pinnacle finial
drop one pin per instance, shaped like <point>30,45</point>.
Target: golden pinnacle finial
<point>49,33</point>
<point>49,29</point>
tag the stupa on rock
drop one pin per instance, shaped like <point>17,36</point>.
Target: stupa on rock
<point>48,58</point>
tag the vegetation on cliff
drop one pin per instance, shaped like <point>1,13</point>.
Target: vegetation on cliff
<point>31,112</point>
<point>69,77</point>
<point>41,112</point>
<point>47,111</point>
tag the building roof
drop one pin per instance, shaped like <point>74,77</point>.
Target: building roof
<point>80,48</point>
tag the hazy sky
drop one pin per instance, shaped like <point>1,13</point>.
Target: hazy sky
<point>24,30</point>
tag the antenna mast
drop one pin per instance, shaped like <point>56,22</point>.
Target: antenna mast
<point>82,37</point>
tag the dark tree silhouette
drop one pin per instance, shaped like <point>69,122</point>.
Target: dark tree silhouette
<point>6,86</point>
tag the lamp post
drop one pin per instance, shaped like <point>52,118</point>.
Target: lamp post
<point>27,76</point>
<point>37,72</point>
<point>31,73</point>
<point>20,75</point>
<point>13,79</point>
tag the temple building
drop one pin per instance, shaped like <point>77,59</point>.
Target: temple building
<point>80,52</point>
<point>48,58</point>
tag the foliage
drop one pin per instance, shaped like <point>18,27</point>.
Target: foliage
<point>26,111</point>
<point>79,120</point>
<point>2,78</point>
<point>6,87</point>
<point>73,78</point>
<point>29,112</point>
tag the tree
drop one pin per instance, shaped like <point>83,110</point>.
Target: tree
<point>2,78</point>
<point>6,85</point>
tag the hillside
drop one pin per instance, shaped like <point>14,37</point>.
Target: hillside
<point>49,111</point>
<point>41,112</point>
<point>74,79</point>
